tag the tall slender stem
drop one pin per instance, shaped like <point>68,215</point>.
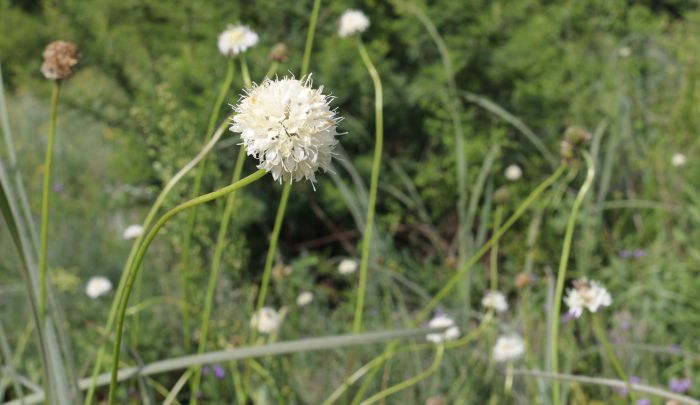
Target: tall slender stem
<point>374,183</point>
<point>189,227</point>
<point>310,38</point>
<point>214,273</point>
<point>134,248</point>
<point>601,335</point>
<point>48,163</point>
<point>497,217</point>
<point>133,271</point>
<point>561,275</point>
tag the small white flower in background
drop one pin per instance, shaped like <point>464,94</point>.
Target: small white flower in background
<point>587,294</point>
<point>347,266</point>
<point>289,127</point>
<point>352,22</point>
<point>305,298</point>
<point>133,231</point>
<point>267,320</point>
<point>442,321</point>
<point>97,286</point>
<point>625,51</point>
<point>508,348</point>
<point>237,39</point>
<point>513,172</point>
<point>678,159</point>
<point>495,300</point>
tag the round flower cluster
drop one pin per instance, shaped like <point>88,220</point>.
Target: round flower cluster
<point>442,321</point>
<point>508,348</point>
<point>59,59</point>
<point>97,286</point>
<point>237,39</point>
<point>289,127</point>
<point>267,320</point>
<point>352,22</point>
<point>495,300</point>
<point>587,294</point>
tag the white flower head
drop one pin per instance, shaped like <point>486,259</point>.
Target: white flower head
<point>267,320</point>
<point>442,321</point>
<point>508,348</point>
<point>97,286</point>
<point>495,300</point>
<point>305,298</point>
<point>678,160</point>
<point>289,127</point>
<point>133,231</point>
<point>625,51</point>
<point>237,39</point>
<point>513,172</point>
<point>587,294</point>
<point>352,22</point>
<point>347,266</point>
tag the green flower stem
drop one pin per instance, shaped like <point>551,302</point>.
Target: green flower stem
<point>133,271</point>
<point>497,218</point>
<point>272,70</point>
<point>191,219</point>
<point>601,335</point>
<point>439,351</point>
<point>374,183</point>
<point>561,275</point>
<point>48,162</point>
<point>134,247</point>
<point>245,72</point>
<point>310,38</point>
<point>214,273</point>
<point>463,270</point>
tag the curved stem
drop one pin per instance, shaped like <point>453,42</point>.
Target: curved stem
<point>134,248</point>
<point>245,72</point>
<point>272,69</point>
<point>602,337</point>
<point>214,273</point>
<point>48,162</point>
<point>189,227</point>
<point>497,217</point>
<point>310,38</point>
<point>374,182</point>
<point>561,275</point>
<point>411,381</point>
<point>133,271</point>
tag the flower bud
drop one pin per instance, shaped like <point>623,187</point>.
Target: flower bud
<point>59,59</point>
<point>279,53</point>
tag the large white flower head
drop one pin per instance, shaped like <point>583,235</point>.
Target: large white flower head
<point>442,321</point>
<point>289,127</point>
<point>267,320</point>
<point>587,294</point>
<point>97,286</point>
<point>495,300</point>
<point>352,22</point>
<point>508,348</point>
<point>237,39</point>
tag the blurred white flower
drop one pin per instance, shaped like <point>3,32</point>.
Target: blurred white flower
<point>97,286</point>
<point>133,231</point>
<point>267,320</point>
<point>305,298</point>
<point>625,51</point>
<point>508,348</point>
<point>236,39</point>
<point>495,300</point>
<point>442,321</point>
<point>678,159</point>
<point>352,22</point>
<point>289,127</point>
<point>587,294</point>
<point>513,172</point>
<point>347,266</point>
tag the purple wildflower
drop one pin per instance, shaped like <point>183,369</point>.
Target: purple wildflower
<point>680,385</point>
<point>638,253</point>
<point>567,317</point>
<point>633,380</point>
<point>644,401</point>
<point>219,372</point>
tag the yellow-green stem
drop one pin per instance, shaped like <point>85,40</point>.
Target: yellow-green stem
<point>133,271</point>
<point>48,163</point>
<point>189,227</point>
<point>561,275</point>
<point>374,183</point>
<point>497,217</point>
<point>214,273</point>
<point>134,248</point>
<point>272,70</point>
<point>439,351</point>
<point>310,38</point>
<point>602,336</point>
